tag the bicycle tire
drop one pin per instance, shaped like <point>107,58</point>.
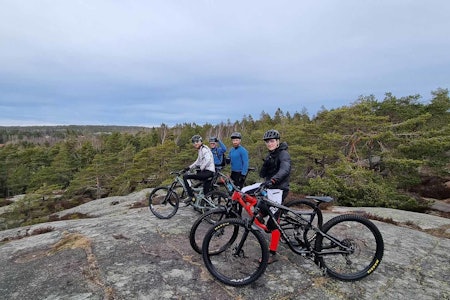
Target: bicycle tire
<point>163,202</point>
<point>356,232</point>
<point>297,233</point>
<point>227,266</point>
<point>203,223</point>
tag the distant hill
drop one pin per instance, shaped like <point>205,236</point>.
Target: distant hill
<point>34,133</point>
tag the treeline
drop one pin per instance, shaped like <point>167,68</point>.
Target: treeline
<point>371,153</point>
<point>51,134</point>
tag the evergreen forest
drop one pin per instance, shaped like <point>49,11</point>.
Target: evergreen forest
<point>393,153</point>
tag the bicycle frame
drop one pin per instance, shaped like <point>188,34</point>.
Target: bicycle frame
<point>179,180</point>
<point>295,217</point>
<point>201,201</point>
<point>246,201</point>
<point>250,204</point>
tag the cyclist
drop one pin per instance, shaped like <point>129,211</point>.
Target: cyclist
<point>276,171</point>
<point>205,165</point>
<point>218,150</point>
<point>239,160</point>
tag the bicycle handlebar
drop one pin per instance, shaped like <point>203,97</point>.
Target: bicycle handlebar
<point>178,172</point>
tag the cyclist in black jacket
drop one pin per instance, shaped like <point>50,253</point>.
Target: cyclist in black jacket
<point>276,171</point>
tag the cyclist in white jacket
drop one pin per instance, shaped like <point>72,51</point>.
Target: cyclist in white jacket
<point>204,165</point>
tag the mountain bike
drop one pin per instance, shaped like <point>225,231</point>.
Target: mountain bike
<point>164,201</point>
<point>239,202</point>
<point>348,247</point>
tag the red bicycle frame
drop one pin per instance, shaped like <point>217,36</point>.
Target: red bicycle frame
<point>248,202</point>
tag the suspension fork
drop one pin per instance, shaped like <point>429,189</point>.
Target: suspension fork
<point>171,190</point>
<point>238,249</point>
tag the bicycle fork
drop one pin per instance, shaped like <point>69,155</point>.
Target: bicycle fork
<point>237,250</point>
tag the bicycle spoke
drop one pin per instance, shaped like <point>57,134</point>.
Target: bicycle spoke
<point>358,251</point>
<point>230,258</point>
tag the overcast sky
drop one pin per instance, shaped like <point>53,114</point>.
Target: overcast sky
<point>145,62</point>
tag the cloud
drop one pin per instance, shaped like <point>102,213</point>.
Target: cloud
<point>98,61</point>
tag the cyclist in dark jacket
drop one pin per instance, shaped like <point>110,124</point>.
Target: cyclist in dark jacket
<point>276,171</point>
<point>277,165</point>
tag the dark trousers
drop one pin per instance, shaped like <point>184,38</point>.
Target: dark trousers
<point>205,176</point>
<point>238,179</point>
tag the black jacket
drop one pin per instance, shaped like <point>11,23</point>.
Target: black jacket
<point>277,166</point>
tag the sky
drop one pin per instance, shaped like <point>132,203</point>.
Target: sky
<point>147,63</point>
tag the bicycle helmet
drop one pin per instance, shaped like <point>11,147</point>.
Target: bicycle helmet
<point>213,139</point>
<point>196,138</point>
<point>271,134</point>
<point>236,135</point>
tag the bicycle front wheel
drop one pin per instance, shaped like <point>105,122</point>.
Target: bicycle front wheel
<point>243,254</point>
<point>163,202</point>
<point>204,223</point>
<point>351,249</point>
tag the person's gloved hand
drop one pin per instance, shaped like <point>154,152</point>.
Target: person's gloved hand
<point>186,169</point>
<point>269,183</point>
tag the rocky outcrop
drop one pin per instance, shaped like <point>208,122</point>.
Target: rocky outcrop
<point>123,252</point>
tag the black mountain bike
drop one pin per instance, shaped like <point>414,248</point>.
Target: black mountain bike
<point>348,247</point>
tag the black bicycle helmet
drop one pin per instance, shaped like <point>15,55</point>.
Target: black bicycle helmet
<point>271,134</point>
<point>196,138</point>
<point>236,135</point>
<point>213,139</point>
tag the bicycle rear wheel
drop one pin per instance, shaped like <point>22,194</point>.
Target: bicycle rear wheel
<point>361,248</point>
<point>163,202</point>
<point>235,254</point>
<point>204,223</point>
